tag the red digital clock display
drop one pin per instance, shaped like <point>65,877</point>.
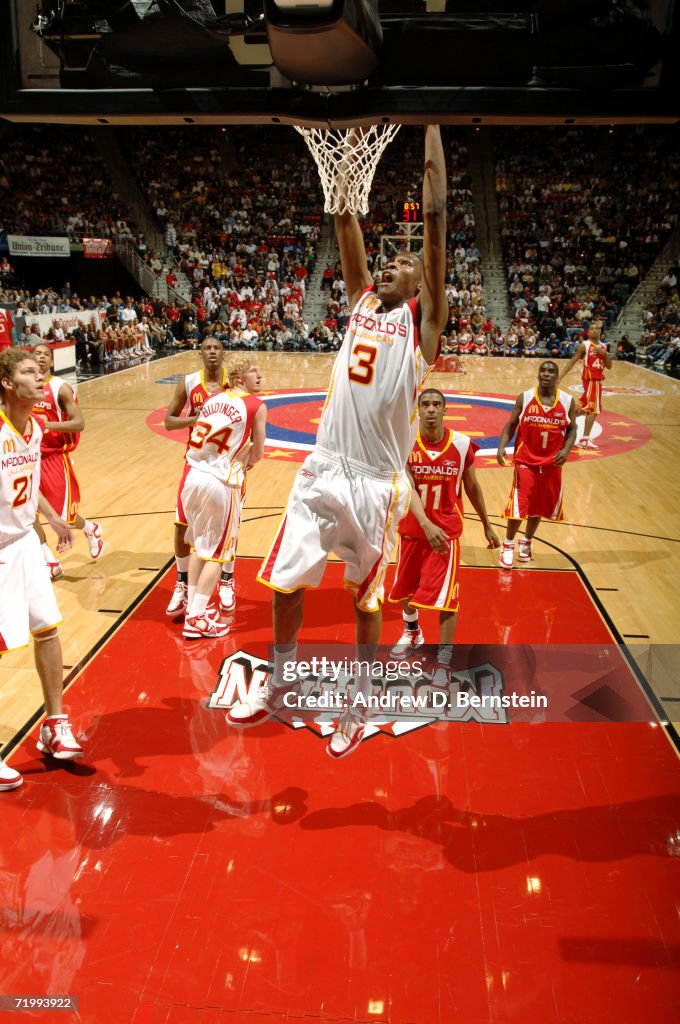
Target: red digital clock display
<point>408,211</point>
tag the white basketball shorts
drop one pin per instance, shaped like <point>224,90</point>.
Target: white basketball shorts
<point>213,514</point>
<point>27,602</point>
<point>340,506</point>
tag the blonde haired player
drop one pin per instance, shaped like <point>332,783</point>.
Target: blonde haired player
<point>352,490</point>
<point>62,422</point>
<point>27,603</point>
<point>226,440</point>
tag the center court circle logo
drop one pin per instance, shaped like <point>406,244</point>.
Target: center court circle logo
<point>293,417</point>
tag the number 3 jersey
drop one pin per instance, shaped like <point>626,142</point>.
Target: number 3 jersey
<point>19,479</point>
<point>370,411</point>
<point>219,442</point>
<point>542,429</point>
<point>437,468</point>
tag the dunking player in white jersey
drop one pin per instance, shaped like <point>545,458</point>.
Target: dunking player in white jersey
<point>351,492</point>
<point>226,440</point>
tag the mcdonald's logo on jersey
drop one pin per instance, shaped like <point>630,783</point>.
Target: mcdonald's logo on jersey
<point>415,457</point>
<point>9,446</point>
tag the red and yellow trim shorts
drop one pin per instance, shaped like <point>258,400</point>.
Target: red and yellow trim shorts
<point>591,399</point>
<point>536,491</point>
<point>425,578</point>
<point>58,484</point>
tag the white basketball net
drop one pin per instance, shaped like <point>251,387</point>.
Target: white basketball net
<point>346,159</point>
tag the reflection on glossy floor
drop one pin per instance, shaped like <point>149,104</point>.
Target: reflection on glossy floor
<point>186,872</point>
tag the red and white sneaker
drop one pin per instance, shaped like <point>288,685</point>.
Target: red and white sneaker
<point>507,555</point>
<point>95,540</point>
<point>524,552</point>
<point>587,445</point>
<point>178,601</point>
<point>56,570</point>
<point>57,739</point>
<point>409,641</point>
<point>9,779</point>
<point>348,734</point>
<point>253,710</point>
<point>197,627</point>
<point>259,707</point>
<point>226,595</point>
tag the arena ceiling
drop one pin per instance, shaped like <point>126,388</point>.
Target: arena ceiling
<point>263,61</point>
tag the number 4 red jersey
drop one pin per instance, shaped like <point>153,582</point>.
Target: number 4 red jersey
<point>542,429</point>
<point>437,468</point>
<point>594,363</point>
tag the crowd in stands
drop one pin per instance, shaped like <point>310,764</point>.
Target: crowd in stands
<point>54,184</point>
<point>660,338</point>
<point>241,214</point>
<point>583,215</point>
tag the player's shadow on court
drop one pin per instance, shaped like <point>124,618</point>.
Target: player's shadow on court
<point>103,813</point>
<point>178,727</point>
<point>474,842</point>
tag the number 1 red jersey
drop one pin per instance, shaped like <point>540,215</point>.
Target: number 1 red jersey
<point>437,468</point>
<point>542,429</point>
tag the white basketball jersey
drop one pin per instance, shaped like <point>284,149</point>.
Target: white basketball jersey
<point>19,479</point>
<point>220,438</point>
<point>370,411</point>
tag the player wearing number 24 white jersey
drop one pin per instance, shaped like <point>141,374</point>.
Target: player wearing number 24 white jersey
<point>352,490</point>
<point>226,440</point>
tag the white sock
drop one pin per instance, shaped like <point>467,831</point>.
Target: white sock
<point>191,598</point>
<point>411,621</point>
<point>182,564</point>
<point>197,602</point>
<point>282,653</point>
<point>47,553</point>
<point>444,654</point>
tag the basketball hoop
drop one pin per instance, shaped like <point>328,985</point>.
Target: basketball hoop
<point>346,159</point>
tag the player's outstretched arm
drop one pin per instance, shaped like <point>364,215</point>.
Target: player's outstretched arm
<point>474,493</point>
<point>434,306</point>
<point>578,354</point>
<point>508,431</point>
<point>352,255</point>
<point>173,416</point>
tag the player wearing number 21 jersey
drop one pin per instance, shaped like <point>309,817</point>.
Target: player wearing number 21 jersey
<point>543,418</point>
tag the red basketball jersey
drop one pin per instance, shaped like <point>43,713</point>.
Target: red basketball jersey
<point>542,429</point>
<point>49,409</point>
<point>594,363</point>
<point>437,468</point>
